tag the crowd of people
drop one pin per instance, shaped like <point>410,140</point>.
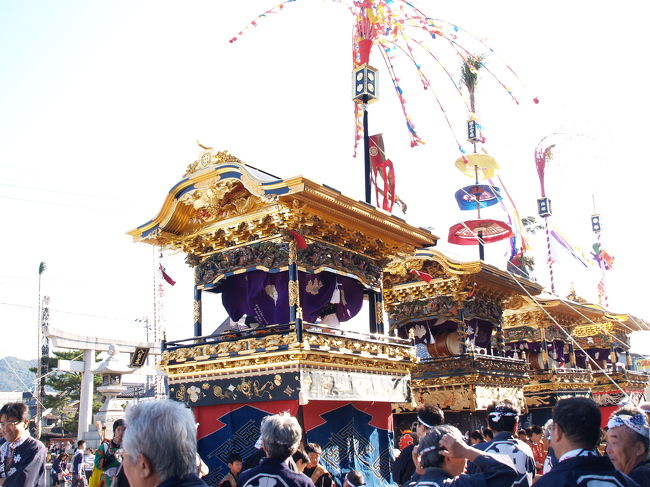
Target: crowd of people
<point>155,446</point>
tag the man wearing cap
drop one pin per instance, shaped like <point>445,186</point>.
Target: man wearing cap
<point>404,467</point>
<point>503,419</point>
<point>575,435</point>
<point>628,442</point>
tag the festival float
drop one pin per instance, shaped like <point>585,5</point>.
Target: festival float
<point>293,261</point>
<point>539,331</point>
<point>606,345</point>
<point>455,311</point>
<point>573,348</point>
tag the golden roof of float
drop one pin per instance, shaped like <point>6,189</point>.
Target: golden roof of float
<point>223,203</point>
<point>450,277</point>
<point>585,319</point>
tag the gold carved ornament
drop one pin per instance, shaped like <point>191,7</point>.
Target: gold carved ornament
<point>197,311</point>
<point>208,158</point>
<point>379,312</point>
<point>294,296</point>
<point>293,252</point>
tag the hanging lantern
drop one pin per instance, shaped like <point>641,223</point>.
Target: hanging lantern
<point>364,84</point>
<point>484,194</point>
<point>595,223</point>
<point>544,207</point>
<point>472,131</point>
<point>478,166</point>
<point>475,232</point>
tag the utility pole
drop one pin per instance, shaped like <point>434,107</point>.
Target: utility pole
<point>39,388</point>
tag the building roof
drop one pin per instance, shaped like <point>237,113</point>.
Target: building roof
<point>222,203</point>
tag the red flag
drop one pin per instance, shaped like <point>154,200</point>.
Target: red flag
<point>422,275</point>
<point>383,169</point>
<point>301,243</point>
<point>166,276</point>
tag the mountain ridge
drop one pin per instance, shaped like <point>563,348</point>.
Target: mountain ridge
<point>15,374</point>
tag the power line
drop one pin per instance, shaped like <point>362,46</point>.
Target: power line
<point>69,312</point>
<point>62,204</point>
<point>568,335</point>
<point>65,192</point>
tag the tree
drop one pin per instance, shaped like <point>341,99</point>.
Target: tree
<point>67,386</point>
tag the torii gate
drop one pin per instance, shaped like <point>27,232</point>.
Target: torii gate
<point>90,345</point>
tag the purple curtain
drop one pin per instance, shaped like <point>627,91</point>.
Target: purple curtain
<point>265,296</point>
<point>595,353</point>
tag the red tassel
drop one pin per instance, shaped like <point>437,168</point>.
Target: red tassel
<point>422,275</point>
<point>301,243</point>
<point>166,276</point>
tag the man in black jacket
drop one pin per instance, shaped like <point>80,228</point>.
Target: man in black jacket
<point>628,443</point>
<point>443,455</point>
<point>404,466</point>
<point>575,434</point>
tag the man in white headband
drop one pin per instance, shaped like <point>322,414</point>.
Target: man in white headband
<point>503,419</point>
<point>628,442</point>
<point>404,467</point>
<point>575,435</point>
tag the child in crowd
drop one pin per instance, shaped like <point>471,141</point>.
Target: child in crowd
<point>316,472</point>
<point>234,465</point>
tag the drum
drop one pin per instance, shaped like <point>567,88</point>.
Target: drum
<point>536,360</point>
<point>445,344</point>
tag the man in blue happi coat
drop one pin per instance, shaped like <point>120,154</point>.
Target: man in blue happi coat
<point>22,458</point>
<point>575,435</point>
<point>503,419</point>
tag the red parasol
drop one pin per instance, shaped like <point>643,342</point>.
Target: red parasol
<point>471,231</point>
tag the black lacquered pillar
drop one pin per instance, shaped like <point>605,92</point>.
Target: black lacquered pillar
<point>295,311</point>
<point>501,346</point>
<point>372,311</point>
<point>572,356</point>
<point>198,313</point>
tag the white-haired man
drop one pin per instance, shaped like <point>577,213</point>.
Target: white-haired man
<point>159,445</point>
<point>280,435</point>
<point>628,443</point>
